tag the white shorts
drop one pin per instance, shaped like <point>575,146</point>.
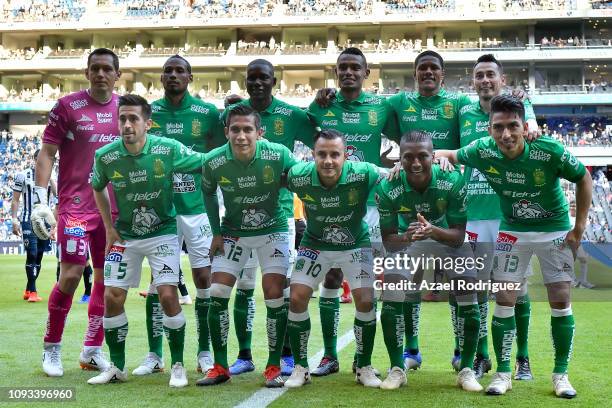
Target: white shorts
<point>196,232</point>
<point>272,252</point>
<point>123,264</point>
<point>372,218</point>
<point>252,262</point>
<point>513,252</point>
<point>312,265</point>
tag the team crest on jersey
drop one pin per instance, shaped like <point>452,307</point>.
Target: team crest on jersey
<point>268,174</point>
<point>335,234</point>
<point>372,118</point>
<point>447,111</point>
<point>353,197</point>
<point>353,154</point>
<point>254,218</point>
<point>525,209</point>
<point>144,220</point>
<point>539,178</point>
<point>196,128</point>
<point>441,204</point>
<point>159,168</point>
<point>279,127</point>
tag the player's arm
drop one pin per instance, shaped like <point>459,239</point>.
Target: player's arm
<point>209,191</point>
<point>185,160</point>
<point>306,129</point>
<point>99,182</point>
<point>325,96</point>
<point>573,170</point>
<point>42,217</point>
<point>533,131</point>
<point>392,240</point>
<point>17,189</point>
<point>216,134</point>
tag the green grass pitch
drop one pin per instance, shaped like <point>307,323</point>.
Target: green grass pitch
<point>22,326</point>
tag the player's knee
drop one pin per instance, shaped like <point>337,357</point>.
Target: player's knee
<point>201,277</point>
<point>364,299</point>
<point>299,296</point>
<point>219,290</point>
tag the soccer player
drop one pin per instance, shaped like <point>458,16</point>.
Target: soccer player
<point>335,192</point>
<point>425,208</point>
<point>362,118</point>
<point>281,123</point>
<point>535,220</point>
<point>141,169</point>
<point>248,171</point>
<point>195,124</point>
<point>34,246</point>
<point>78,124</point>
<point>484,214</point>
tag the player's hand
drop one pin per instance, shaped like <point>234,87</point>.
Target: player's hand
<point>385,161</point>
<point>534,132</point>
<point>325,96</point>
<point>572,239</point>
<point>395,171</point>
<point>112,236</point>
<point>425,230</point>
<point>445,164</point>
<point>16,227</point>
<point>520,94</point>
<point>231,99</point>
<point>216,246</point>
<point>43,221</point>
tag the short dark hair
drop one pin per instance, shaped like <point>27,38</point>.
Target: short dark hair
<point>508,104</point>
<point>176,56</point>
<point>261,61</point>
<point>104,51</point>
<point>329,134</point>
<point>136,100</point>
<point>428,53</point>
<point>353,51</point>
<point>416,136</point>
<point>490,58</point>
<point>243,110</point>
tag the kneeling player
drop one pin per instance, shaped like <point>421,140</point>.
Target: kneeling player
<point>140,167</point>
<point>335,192</point>
<point>424,192</point>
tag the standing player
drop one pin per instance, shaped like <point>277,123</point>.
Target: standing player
<point>535,220</point>
<point>424,192</point>
<point>281,123</point>
<point>34,246</point>
<point>195,124</point>
<point>248,171</point>
<point>362,118</point>
<point>141,169</point>
<point>335,192</point>
<point>78,124</point>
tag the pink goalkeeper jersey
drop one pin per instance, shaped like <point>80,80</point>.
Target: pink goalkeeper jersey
<point>79,126</point>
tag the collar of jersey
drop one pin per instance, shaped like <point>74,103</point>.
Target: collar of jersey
<point>434,178</point>
<point>342,180</point>
<point>145,149</point>
<point>229,155</point>
<point>185,103</point>
<point>270,108</point>
<point>441,94</point>
<point>360,99</point>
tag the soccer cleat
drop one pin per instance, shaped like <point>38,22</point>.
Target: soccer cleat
<point>143,293</point>
<point>562,386</point>
<point>376,372</point>
<point>412,361</point>
<point>178,376</point>
<point>33,298</point>
<point>327,366</point>
<point>395,379</point>
<point>346,293</point>
<point>585,284</point>
<point>481,366</point>
<point>185,300</point>
<point>241,366</point>
<point>84,299</point>
<point>300,376</point>
<point>272,374</point>
<point>26,294</point>
<point>110,375</point>
<point>151,364</point>
<point>367,376</point>
<point>205,361</point>
<point>466,379</point>
<point>287,365</point>
<point>522,370</point>
<point>501,383</point>
<point>93,359</point>
<point>456,362</point>
<point>216,375</point>
<point>52,361</point>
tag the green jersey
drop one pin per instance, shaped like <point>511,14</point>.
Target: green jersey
<point>250,190</point>
<point>528,186</point>
<point>362,122</point>
<point>335,216</point>
<point>442,203</point>
<point>284,123</point>
<point>143,183</point>
<point>437,115</point>
<point>195,124</point>
<point>482,201</point>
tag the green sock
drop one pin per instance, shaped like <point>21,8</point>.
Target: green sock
<point>115,333</point>
<point>276,325</point>
<point>365,332</point>
<point>392,321</point>
<point>175,332</point>
<point>453,310</point>
<point>201,312</point>
<point>412,315</point>
<point>329,310</point>
<point>218,324</point>
<point>244,312</point>
<point>483,338</point>
<point>468,322</point>
<point>299,332</point>
<point>155,325</point>
<point>562,329</point>
<point>522,314</point>
<point>503,330</point>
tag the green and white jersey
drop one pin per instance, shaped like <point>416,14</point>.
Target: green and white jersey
<point>362,122</point>
<point>436,115</point>
<point>335,216</point>
<point>142,183</point>
<point>283,123</point>
<point>442,204</point>
<point>195,124</point>
<point>482,201</point>
<point>250,190</point>
<point>528,186</point>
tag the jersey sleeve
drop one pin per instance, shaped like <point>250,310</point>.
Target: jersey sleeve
<point>462,100</point>
<point>19,182</point>
<point>98,178</point>
<point>386,209</point>
<point>57,125</point>
<point>306,129</point>
<point>185,160</point>
<point>391,129</point>
<point>289,159</point>
<point>456,212</point>
<point>570,168</point>
<point>312,115</point>
<point>529,112</point>
<point>468,155</point>
<point>209,190</point>
<point>216,135</point>
<point>374,176</point>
